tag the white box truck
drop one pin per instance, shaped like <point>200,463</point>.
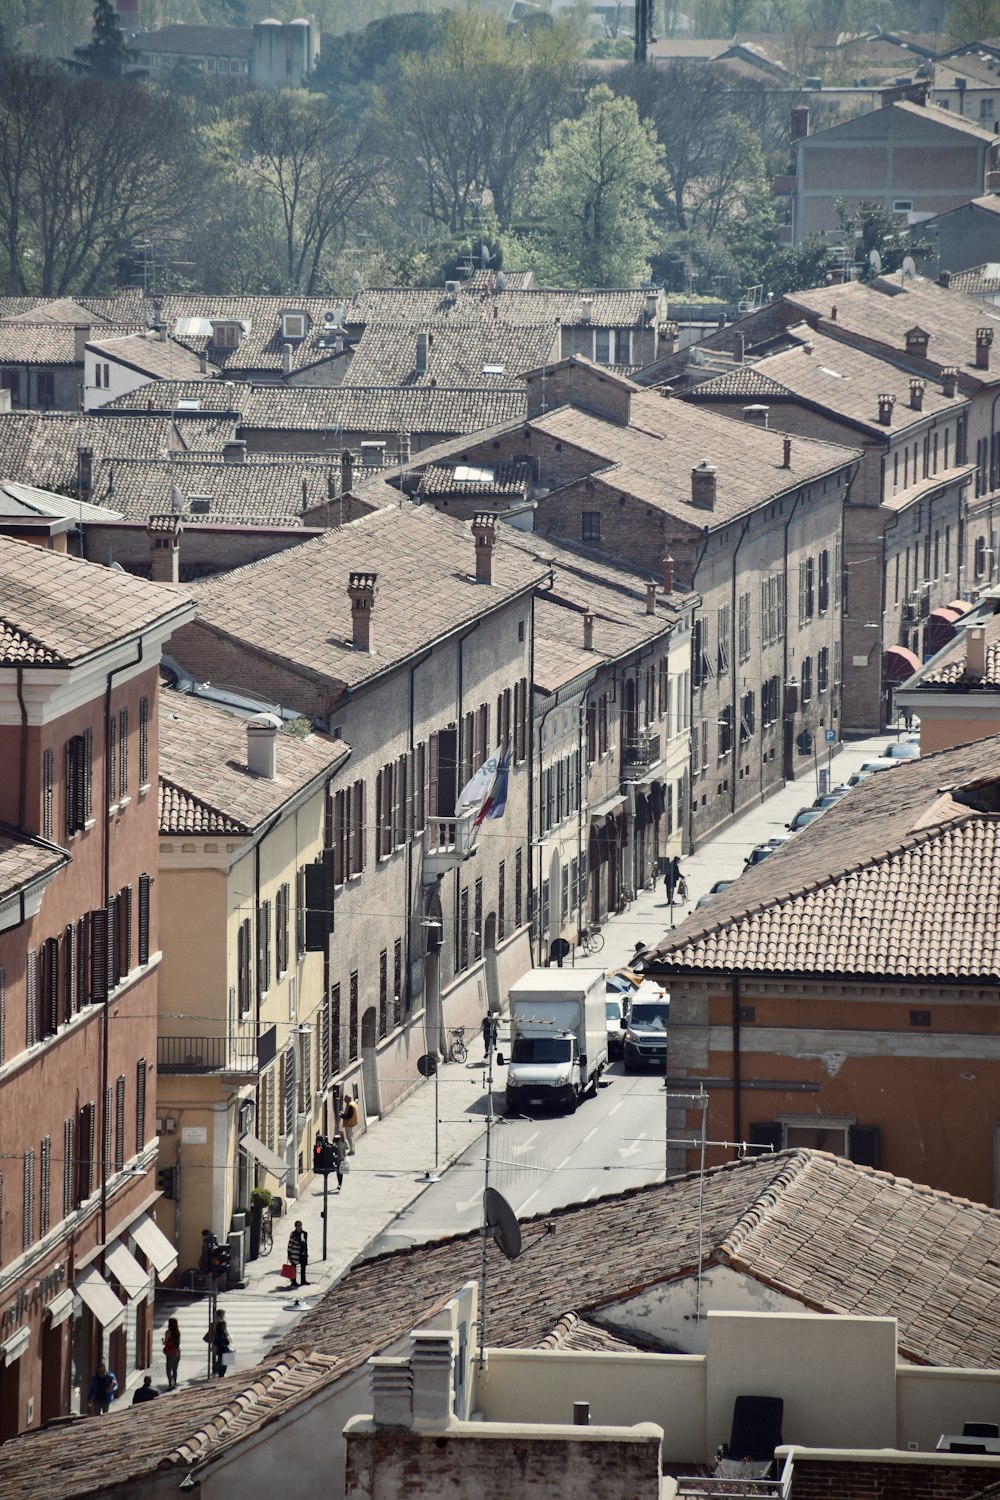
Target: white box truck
<point>558,1038</point>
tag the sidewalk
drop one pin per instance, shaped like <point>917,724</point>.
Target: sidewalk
<point>392,1155</point>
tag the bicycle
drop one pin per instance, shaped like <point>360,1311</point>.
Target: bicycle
<point>625,900</point>
<point>266,1232</point>
<point>591,939</point>
<point>458,1051</point>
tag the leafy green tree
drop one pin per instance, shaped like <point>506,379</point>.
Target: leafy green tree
<point>796,268</point>
<point>106,53</point>
<point>594,195</point>
<point>972,20</point>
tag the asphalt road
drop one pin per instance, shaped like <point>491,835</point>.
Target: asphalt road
<point>613,1141</point>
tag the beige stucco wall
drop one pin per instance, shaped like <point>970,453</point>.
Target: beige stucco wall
<point>932,1401</point>
<point>945,731</point>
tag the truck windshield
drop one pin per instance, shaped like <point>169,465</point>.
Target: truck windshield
<point>541,1049</point>
<point>647,1013</point>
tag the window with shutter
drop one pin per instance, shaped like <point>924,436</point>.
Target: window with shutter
<point>123,753</point>
<point>271,1139</point>
<point>863,1145</point>
<point>463,929</point>
<point>145,884</point>
<point>335,1023</point>
<point>501,902</point>
<point>301,910</point>
<point>143,742</point>
<point>263,949</point>
<point>120,1122</point>
<point>287,1090</point>
<point>107,1135</point>
<point>28,1202</point>
<point>305,1076</point>
<point>45,1188</point>
<point>420,788</point>
<point>140,1105</point>
<point>31,1000</point>
<point>102,948</point>
<point>47,776</point>
<point>110,768</point>
<point>69,1166</point>
<point>244,987</point>
<point>49,986</point>
<point>352,1019</point>
<point>324,1045</point>
<point>397,982</point>
<point>399,831</point>
<point>69,972</point>
<point>383,992</point>
<point>358,829</point>
<point>88,775</point>
<point>477,918</point>
<point>123,932</point>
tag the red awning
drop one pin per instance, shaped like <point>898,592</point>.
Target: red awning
<point>941,628</point>
<point>900,663</point>
<point>962,605</point>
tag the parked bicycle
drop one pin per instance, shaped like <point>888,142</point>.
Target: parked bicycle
<point>266,1231</point>
<point>458,1051</point>
<point>591,939</point>
<point>625,899</point>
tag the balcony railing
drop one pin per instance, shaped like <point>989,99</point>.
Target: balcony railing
<point>642,752</point>
<point>206,1054</point>
<point>711,1487</point>
<point>447,843</point>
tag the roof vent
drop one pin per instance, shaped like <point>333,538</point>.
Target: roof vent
<point>668,574</point>
<point>361,589</point>
<point>917,388</point>
<point>651,597</point>
<point>262,740</point>
<point>484,529</point>
<point>786,453</point>
<point>586,308</point>
<point>588,630</point>
<point>917,340</point>
<point>949,381</point>
<point>885,404</point>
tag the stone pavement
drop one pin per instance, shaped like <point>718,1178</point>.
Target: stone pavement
<point>394,1153</point>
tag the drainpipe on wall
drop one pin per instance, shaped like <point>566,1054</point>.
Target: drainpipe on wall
<point>737,1112</point>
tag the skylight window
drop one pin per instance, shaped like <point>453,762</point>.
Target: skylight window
<point>467,474</point>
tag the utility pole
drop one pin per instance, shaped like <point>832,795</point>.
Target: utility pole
<point>644,12</point>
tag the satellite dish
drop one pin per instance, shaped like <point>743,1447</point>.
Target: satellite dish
<point>176,498</point>
<point>501,1219</point>
<point>875,261</point>
<point>484,254</point>
<point>501,282</point>
<point>909,266</point>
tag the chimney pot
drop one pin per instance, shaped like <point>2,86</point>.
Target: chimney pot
<point>203,363</point>
<point>984,341</point>
<point>85,472</point>
<point>668,574</point>
<point>164,533</point>
<point>916,342</point>
<point>651,597</point>
<point>392,1391</point>
<point>484,529</point>
<point>944,279</point>
<point>586,308</point>
<point>703,485</point>
<point>651,300</point>
<point>949,380</point>
<point>362,588</point>
<point>669,333</point>
<point>286,359</point>
<point>262,741</point>
<point>885,404</point>
<point>423,344</point>
<point>786,453</point>
<point>588,630</point>
<point>917,388</point>
<point>433,1367</point>
<point>975,653</point>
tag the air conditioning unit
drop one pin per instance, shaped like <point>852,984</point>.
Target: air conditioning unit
<point>453,288</point>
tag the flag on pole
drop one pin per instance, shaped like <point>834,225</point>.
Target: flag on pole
<point>475,792</point>
<point>496,798</point>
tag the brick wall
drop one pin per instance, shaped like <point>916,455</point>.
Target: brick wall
<point>818,1479</point>
<point>204,549</point>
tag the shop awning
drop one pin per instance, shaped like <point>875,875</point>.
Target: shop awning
<point>263,1154</point>
<point>91,1287</point>
<point>15,1346</point>
<point>60,1308</point>
<point>900,663</point>
<point>607,808</point>
<point>941,627</point>
<point>123,1266</point>
<point>154,1245</point>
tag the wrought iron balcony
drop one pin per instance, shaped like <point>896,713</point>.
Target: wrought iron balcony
<point>207,1054</point>
<point>643,752</point>
<point>447,843</point>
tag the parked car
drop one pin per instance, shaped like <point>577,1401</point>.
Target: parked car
<point>804,817</point>
<point>829,799</point>
<point>901,750</point>
<point>763,850</point>
<point>645,1032</point>
<point>620,982</point>
<point>720,885</point>
<point>617,1009</point>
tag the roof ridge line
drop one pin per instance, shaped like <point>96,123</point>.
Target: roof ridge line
<point>238,825</point>
<point>793,1165</point>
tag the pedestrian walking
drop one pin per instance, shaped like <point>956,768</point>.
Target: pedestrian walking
<point>145,1392</point>
<point>172,1351</point>
<point>103,1390</point>
<point>298,1251</point>
<point>218,1337</point>
<point>489,1032</point>
<point>349,1119</point>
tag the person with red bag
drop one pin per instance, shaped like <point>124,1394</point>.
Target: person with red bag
<point>298,1253</point>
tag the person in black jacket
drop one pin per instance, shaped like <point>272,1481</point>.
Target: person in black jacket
<point>298,1251</point>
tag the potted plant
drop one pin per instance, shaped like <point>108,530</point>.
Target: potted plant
<point>260,1199</point>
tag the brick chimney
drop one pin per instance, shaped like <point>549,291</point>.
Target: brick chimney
<point>703,485</point>
<point>786,453</point>
<point>944,279</point>
<point>262,742</point>
<point>885,404</point>
<point>286,360</point>
<point>917,388</point>
<point>668,335</point>
<point>949,381</point>
<point>81,333</point>
<point>164,533</point>
<point>346,471</point>
<point>668,574</point>
<point>651,597</point>
<point>484,529</point>
<point>234,452</point>
<point>392,1391</point>
<point>798,123</point>
<point>203,363</point>
<point>85,472</point>
<point>975,653</point>
<point>917,340</point>
<point>651,301</point>
<point>984,340</point>
<point>361,590</point>
<point>423,344</point>
<point>588,630</point>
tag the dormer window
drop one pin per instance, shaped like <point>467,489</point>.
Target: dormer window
<point>226,335</point>
<point>200,504</point>
<point>294,325</point>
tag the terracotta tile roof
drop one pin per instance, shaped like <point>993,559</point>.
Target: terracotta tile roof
<point>652,458</point>
<point>355,408</point>
<point>262,343</point>
<point>37,344</point>
<point>263,490</point>
<point>897,878</point>
<point>834,1236</point>
<point>834,376</point>
<point>459,355</point>
<point>213,395</point>
<point>162,359</point>
<point>24,859</point>
<point>950,672</point>
<point>946,117</point>
<point>41,448</point>
<point>475,302</point>
<point>50,310</point>
<point>205,786</point>
<point>24,501</point>
<point>58,610</point>
<point>506,479</point>
<point>575,1333</point>
<point>426,587</point>
<point>979,281</point>
<point>80,1458</point>
<point>879,315</point>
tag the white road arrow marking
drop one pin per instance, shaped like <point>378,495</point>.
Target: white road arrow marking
<point>635,1146</point>
<point>461,1208</point>
<point>525,1145</point>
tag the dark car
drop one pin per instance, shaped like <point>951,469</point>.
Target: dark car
<point>804,817</point>
<point>720,885</point>
<point>831,798</point>
<point>901,750</point>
